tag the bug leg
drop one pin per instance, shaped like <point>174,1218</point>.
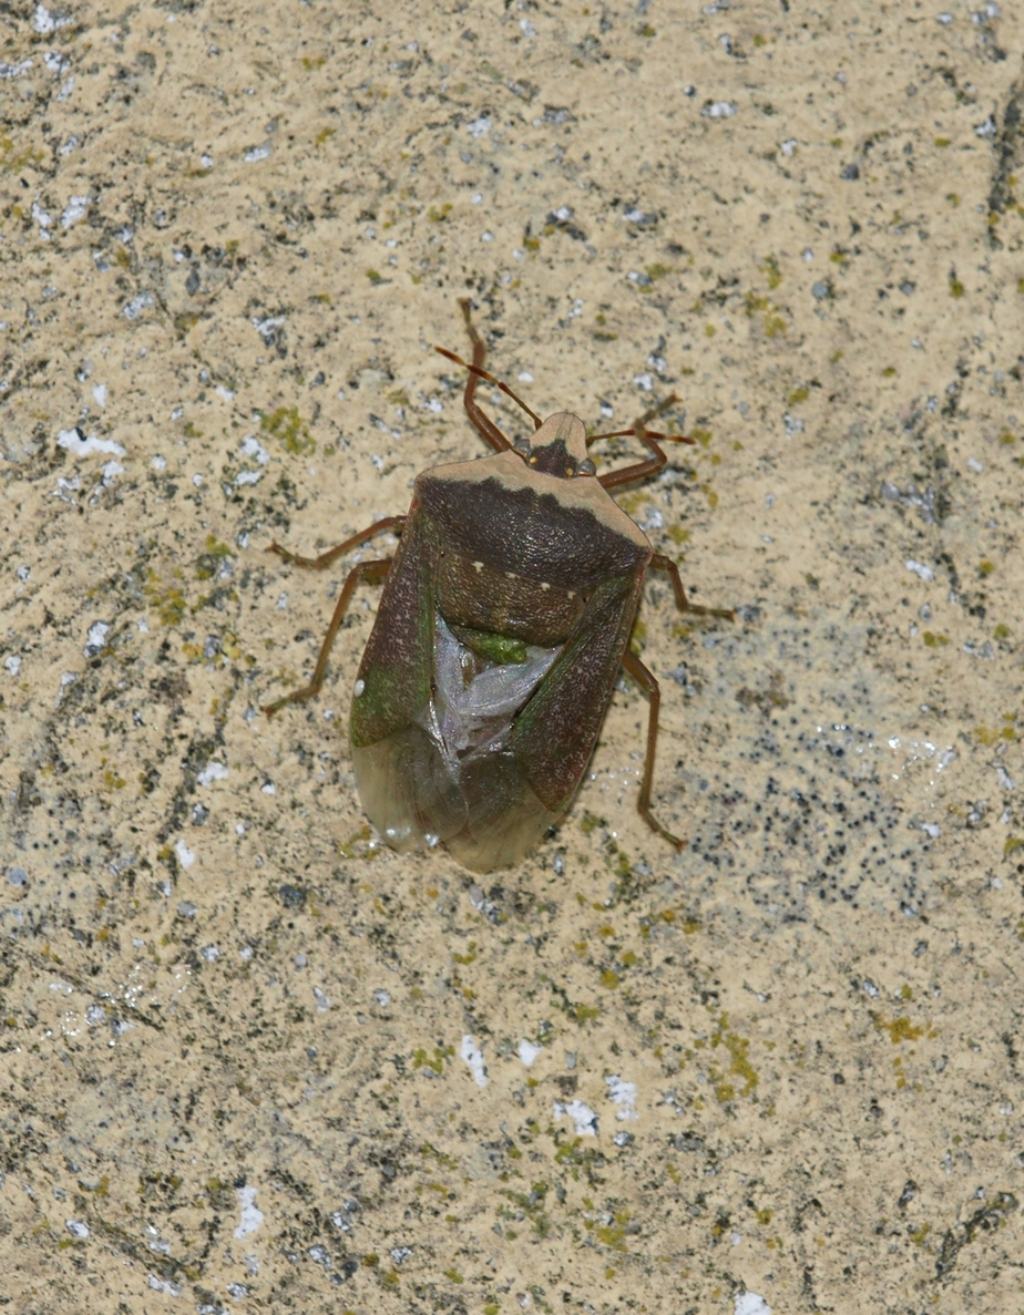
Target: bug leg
<point>666,564</point>
<point>633,667</point>
<point>641,469</point>
<point>396,523</point>
<point>483,424</point>
<point>372,571</point>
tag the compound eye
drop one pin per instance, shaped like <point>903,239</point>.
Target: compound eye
<point>586,467</point>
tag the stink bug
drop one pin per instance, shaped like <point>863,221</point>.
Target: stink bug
<point>506,614</point>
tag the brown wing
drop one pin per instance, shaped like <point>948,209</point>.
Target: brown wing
<point>555,734</point>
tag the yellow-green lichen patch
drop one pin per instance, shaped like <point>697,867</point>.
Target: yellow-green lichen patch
<point>740,1068</point>
<point>165,598</point>
<point>772,273</point>
<point>898,1029</point>
<point>992,735</point>
<point>434,1060</point>
<point>763,312</point>
<point>288,427</point>
<point>611,1233</point>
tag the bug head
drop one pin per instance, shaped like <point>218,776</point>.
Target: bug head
<point>558,447</point>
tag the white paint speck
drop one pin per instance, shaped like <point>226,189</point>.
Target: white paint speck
<point>253,448</point>
<point>583,1117</point>
<point>751,1303</point>
<point>251,1218</point>
<point>96,639</point>
<point>46,22</point>
<point>471,1053</point>
<point>132,309</point>
<point>165,1285</point>
<point>920,570</point>
<point>12,663</point>
<point>8,72</point>
<point>99,394</point>
<point>480,127</point>
<point>720,109</point>
<point>74,210</point>
<point>43,218</point>
<point>213,771</point>
<point>528,1052</point>
<point>76,1228</point>
<point>255,153</point>
<point>622,1094</point>
<point>80,444</point>
<point>185,855</point>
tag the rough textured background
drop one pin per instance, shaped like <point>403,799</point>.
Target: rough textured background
<point>249,1060</point>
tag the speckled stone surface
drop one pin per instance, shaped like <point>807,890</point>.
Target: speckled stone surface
<point>251,1061</point>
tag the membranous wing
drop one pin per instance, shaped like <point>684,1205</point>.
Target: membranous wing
<point>476,710</point>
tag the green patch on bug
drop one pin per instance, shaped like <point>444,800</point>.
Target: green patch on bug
<point>500,649</point>
<point>288,427</point>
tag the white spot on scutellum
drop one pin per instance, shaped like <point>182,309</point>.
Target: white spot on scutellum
<point>478,567</point>
<point>251,1218</point>
<point>473,1056</point>
<point>528,1052</point>
<point>583,1117</point>
<point>544,586</point>
<point>358,688</point>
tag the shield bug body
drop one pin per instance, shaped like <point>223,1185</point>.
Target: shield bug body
<point>505,617</point>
